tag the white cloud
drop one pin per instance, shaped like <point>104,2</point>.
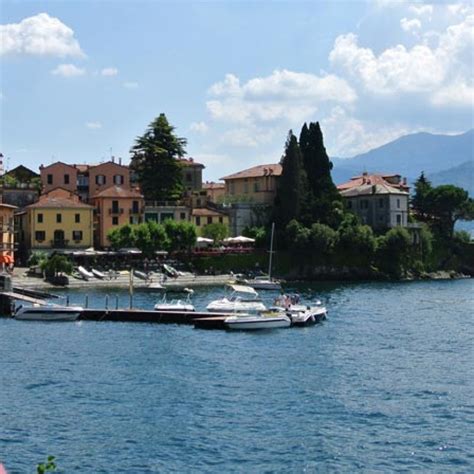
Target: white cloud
<point>421,10</point>
<point>457,94</point>
<point>410,25</point>
<point>424,68</point>
<point>346,135</point>
<point>284,95</point>
<point>199,127</point>
<point>68,70</point>
<point>249,137</point>
<point>40,35</point>
<point>109,71</point>
<point>130,85</point>
<point>93,125</point>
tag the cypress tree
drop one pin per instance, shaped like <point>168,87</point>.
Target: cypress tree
<point>292,187</point>
<point>420,201</point>
<point>322,193</point>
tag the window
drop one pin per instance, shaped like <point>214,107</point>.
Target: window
<point>135,207</point>
<point>40,218</point>
<point>221,220</point>
<point>100,179</point>
<point>209,219</point>
<point>364,204</point>
<point>349,204</point>
<point>40,235</point>
<point>256,186</point>
<point>198,220</point>
<point>115,220</point>
<point>77,235</point>
<point>189,177</point>
<point>246,186</point>
<point>182,216</point>
<point>77,218</point>
<point>49,179</point>
<point>232,187</point>
<point>398,203</point>
<point>115,207</point>
<point>118,179</point>
<point>380,202</point>
<point>399,219</point>
<point>66,179</point>
<point>59,218</point>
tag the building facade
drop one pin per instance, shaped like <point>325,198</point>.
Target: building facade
<point>201,217</point>
<point>20,187</point>
<point>7,244</point>
<point>192,175</point>
<point>115,206</point>
<point>380,201</point>
<point>58,220</point>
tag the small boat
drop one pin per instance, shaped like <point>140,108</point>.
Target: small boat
<point>170,271</point>
<point>243,299</point>
<point>48,313</point>
<point>263,282</point>
<point>308,317</point>
<point>300,314</point>
<point>97,274</point>
<point>85,274</point>
<point>175,305</point>
<point>140,275</point>
<point>250,322</point>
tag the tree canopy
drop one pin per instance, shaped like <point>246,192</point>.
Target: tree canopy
<point>155,161</point>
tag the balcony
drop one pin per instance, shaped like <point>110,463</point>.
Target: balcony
<point>136,210</point>
<point>59,243</point>
<point>115,211</point>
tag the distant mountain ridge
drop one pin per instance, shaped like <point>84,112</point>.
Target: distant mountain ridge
<point>443,158</point>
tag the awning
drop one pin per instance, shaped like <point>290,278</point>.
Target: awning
<point>7,259</point>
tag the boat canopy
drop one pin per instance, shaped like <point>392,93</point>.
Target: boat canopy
<point>244,289</point>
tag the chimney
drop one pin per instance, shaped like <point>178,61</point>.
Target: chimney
<point>113,158</point>
<point>265,171</point>
<point>404,181</point>
<point>120,161</point>
<point>270,171</point>
<point>365,173</point>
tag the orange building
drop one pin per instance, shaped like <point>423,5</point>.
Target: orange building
<point>215,191</point>
<point>107,174</point>
<point>7,245</point>
<point>58,175</point>
<point>116,206</point>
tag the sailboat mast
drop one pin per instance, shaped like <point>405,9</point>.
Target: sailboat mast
<point>271,253</point>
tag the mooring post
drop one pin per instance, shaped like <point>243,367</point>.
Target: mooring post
<point>106,301</point>
<point>86,303</point>
<point>7,306</point>
<point>116,301</point>
<point>130,288</point>
<point>67,300</point>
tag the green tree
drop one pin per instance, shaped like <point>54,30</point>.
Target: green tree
<point>322,239</point>
<point>56,264</point>
<point>355,242</point>
<point>155,161</point>
<point>121,237</point>
<point>419,201</point>
<point>297,236</point>
<point>323,199</point>
<point>181,235</point>
<point>259,234</point>
<point>215,231</point>
<point>394,251</point>
<point>447,204</point>
<point>292,188</point>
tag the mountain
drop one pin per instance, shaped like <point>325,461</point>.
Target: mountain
<point>410,155</point>
<point>461,175</point>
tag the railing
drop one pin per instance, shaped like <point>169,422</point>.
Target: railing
<point>115,211</point>
<point>59,243</point>
<point>136,210</point>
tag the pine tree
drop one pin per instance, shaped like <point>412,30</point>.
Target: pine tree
<point>155,161</point>
<point>292,186</point>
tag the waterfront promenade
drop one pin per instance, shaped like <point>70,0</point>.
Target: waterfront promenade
<point>122,280</point>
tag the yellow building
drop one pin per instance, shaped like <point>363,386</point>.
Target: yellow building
<point>201,217</point>
<point>58,220</point>
<point>7,244</point>
<point>254,185</point>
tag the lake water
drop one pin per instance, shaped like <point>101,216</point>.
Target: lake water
<point>386,384</point>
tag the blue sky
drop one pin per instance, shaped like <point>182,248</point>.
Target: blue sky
<point>81,79</point>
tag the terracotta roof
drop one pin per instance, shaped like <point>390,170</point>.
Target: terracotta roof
<point>57,202</point>
<point>213,185</point>
<point>42,167</point>
<point>110,162</point>
<point>204,211</point>
<point>83,168</point>
<point>9,206</point>
<point>119,192</point>
<point>273,169</point>
<point>190,162</point>
<point>371,189</point>
<point>371,179</point>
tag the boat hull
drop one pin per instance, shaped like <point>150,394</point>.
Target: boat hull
<point>235,307</point>
<point>256,323</point>
<point>48,314</point>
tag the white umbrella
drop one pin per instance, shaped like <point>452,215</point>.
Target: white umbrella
<point>204,240</point>
<point>239,240</point>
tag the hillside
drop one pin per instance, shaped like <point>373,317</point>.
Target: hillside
<point>411,154</point>
<point>461,175</point>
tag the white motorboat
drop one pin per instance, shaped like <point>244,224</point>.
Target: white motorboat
<point>300,314</point>
<point>48,313</point>
<point>175,305</point>
<point>98,274</point>
<point>243,299</point>
<point>250,322</point>
<point>85,273</point>
<point>140,275</point>
<point>263,282</point>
